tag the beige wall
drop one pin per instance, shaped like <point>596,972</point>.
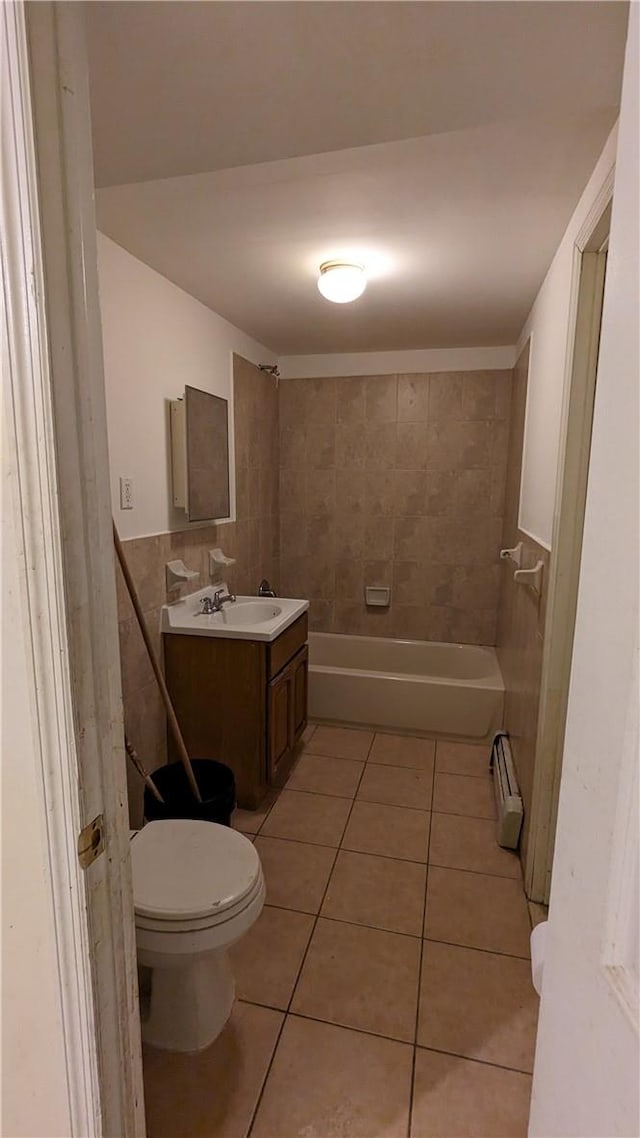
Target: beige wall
<point>521,611</point>
<point>399,481</point>
<point>252,539</point>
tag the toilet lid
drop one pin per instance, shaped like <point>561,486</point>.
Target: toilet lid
<point>183,869</point>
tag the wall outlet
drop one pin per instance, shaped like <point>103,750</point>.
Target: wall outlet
<point>126,493</point>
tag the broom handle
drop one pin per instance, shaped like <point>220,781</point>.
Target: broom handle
<point>130,749</point>
<point>171,715</point>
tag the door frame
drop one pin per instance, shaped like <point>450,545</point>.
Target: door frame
<point>58,434</point>
<point>587,287</point>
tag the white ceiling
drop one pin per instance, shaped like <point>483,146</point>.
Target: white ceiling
<point>446,144</point>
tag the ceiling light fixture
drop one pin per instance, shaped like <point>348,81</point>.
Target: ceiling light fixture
<point>341,281</point>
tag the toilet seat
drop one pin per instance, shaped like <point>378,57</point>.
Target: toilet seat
<point>211,921</point>
<point>190,875</point>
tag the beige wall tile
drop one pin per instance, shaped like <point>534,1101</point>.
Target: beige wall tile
<point>378,537</point>
<point>320,447</point>
<point>445,396</point>
<point>350,405</point>
<point>350,491</point>
<point>349,580</point>
<point>380,445</point>
<point>479,395</point>
<point>379,493</point>
<point>405,481</point>
<point>320,615</point>
<point>293,448</point>
<point>454,445</point>
<point>349,536</point>
<point>413,398</point>
<point>350,446</point>
<point>409,583</point>
<point>381,398</point>
<point>319,492</point>
<point>410,493</point>
<point>410,538</point>
<point>411,446</point>
<point>320,397</point>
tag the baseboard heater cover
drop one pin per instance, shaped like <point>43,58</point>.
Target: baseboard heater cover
<point>508,798</point>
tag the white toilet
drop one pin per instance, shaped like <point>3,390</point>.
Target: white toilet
<point>197,888</point>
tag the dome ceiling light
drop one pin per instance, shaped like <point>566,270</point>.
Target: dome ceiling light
<point>341,281</point>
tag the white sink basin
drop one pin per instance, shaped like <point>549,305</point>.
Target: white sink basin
<point>248,618</point>
<point>246,612</point>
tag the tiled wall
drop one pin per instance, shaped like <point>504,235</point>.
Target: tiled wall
<point>521,613</point>
<point>399,481</point>
<point>252,540</point>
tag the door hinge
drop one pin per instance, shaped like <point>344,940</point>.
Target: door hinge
<point>91,842</point>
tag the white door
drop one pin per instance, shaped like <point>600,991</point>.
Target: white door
<point>587,1056</point>
<point>71,1032</point>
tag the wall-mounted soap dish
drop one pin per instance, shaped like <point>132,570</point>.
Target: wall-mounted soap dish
<point>531,577</point>
<point>176,574</point>
<point>377,596</point>
<point>218,561</point>
<point>514,554</point>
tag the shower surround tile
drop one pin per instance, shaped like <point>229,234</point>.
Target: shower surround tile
<point>420,466</point>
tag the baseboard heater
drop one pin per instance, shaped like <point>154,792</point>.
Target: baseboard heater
<point>508,799</point>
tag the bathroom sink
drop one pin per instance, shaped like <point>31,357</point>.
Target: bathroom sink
<point>246,612</point>
<point>248,618</point>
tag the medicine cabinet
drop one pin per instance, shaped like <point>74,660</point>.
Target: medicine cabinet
<point>200,455</point>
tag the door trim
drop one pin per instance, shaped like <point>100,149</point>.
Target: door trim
<point>587,282</point>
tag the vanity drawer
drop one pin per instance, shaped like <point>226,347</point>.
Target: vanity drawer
<point>286,646</point>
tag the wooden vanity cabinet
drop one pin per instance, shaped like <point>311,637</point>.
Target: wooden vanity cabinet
<point>243,702</point>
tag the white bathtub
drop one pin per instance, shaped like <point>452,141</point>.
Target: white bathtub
<point>406,685</point>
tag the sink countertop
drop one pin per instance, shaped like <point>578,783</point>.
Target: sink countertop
<point>183,618</point>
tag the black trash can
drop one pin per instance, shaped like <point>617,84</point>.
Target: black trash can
<point>216,784</point>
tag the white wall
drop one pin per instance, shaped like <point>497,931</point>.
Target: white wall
<point>587,1056</point>
<point>157,338</point>
<point>550,325</point>
<point>401,362</point>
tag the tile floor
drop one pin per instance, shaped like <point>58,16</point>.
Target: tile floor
<point>385,990</point>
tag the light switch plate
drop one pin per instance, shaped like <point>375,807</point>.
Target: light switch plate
<point>126,493</point>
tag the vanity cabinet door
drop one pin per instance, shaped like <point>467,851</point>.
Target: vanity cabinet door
<point>280,716</point>
<point>300,673</point>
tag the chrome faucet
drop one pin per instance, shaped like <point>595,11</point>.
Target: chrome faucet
<point>220,599</point>
<point>215,603</point>
<point>265,590</point>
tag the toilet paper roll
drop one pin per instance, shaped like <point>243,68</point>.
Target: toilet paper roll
<point>538,946</point>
